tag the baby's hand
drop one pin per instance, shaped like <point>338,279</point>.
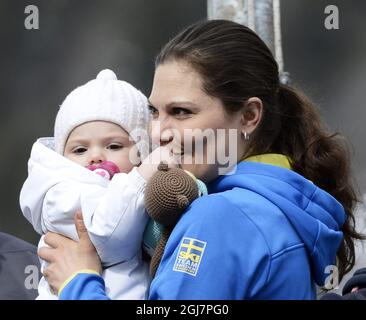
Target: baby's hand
<point>161,154</point>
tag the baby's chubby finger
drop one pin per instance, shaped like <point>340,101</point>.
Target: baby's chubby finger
<point>163,154</point>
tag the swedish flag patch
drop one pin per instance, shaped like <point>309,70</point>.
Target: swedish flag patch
<point>189,256</point>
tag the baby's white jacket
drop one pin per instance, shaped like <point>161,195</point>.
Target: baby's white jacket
<point>113,213</point>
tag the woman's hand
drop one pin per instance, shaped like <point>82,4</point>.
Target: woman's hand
<point>66,256</point>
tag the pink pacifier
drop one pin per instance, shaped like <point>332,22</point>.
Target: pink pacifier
<point>106,169</point>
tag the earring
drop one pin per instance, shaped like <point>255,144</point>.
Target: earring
<point>246,136</point>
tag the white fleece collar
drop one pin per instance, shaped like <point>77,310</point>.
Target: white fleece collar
<point>44,155</point>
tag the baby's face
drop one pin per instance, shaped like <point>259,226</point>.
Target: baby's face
<point>97,141</point>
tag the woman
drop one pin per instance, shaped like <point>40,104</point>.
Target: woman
<point>270,228</point>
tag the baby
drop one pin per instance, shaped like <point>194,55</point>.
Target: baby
<point>100,132</point>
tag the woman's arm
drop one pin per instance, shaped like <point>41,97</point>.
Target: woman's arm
<point>214,252</point>
<point>84,286</point>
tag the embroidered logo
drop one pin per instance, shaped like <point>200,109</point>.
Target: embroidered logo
<point>189,256</point>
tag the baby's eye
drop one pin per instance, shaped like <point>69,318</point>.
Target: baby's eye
<point>79,150</point>
<point>115,146</point>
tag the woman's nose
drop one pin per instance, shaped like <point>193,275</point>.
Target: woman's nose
<point>166,137</point>
<point>159,135</point>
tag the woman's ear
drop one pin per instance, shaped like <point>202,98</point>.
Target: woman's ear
<point>251,115</point>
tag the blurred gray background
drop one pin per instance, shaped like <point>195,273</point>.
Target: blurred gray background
<point>77,39</point>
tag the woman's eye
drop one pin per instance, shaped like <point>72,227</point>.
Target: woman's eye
<point>79,150</point>
<point>115,146</point>
<point>181,112</point>
<point>153,111</point>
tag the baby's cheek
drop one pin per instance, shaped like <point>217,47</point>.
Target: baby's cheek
<point>126,167</point>
<point>127,160</point>
<point>77,159</point>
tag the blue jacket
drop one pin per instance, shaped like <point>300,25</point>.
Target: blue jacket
<point>264,232</point>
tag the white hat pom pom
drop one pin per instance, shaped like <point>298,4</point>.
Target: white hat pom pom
<point>106,74</point>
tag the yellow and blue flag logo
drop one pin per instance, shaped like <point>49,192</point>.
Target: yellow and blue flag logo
<point>189,256</point>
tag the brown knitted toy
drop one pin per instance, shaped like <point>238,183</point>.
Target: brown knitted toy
<point>167,195</point>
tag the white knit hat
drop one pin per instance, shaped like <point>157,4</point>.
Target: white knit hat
<point>106,99</point>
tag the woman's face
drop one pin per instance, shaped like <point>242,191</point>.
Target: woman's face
<point>188,119</point>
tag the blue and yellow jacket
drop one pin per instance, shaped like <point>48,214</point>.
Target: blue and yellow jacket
<point>263,232</point>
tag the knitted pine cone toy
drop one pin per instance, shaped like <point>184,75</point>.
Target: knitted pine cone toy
<point>167,195</point>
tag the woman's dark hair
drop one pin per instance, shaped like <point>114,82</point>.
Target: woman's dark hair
<point>235,64</point>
